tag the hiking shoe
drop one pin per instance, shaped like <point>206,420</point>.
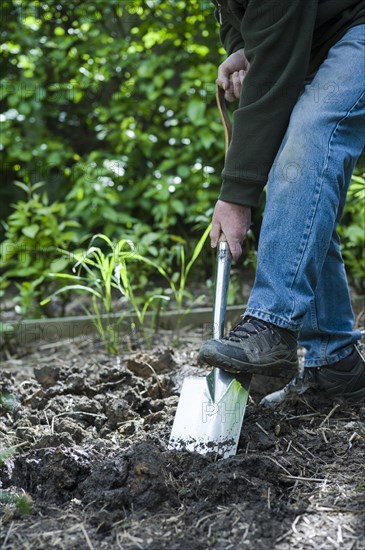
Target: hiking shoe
<point>254,347</point>
<point>345,379</point>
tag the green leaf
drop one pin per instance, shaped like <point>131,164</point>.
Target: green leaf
<point>198,248</point>
<point>206,138</point>
<point>183,171</point>
<point>58,265</point>
<point>23,186</point>
<point>6,453</point>
<point>31,231</point>
<point>196,110</point>
<point>178,206</point>
<point>36,186</point>
<point>67,288</point>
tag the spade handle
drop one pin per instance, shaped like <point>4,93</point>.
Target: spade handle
<point>221,287</point>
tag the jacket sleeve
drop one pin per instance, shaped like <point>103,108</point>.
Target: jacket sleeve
<point>278,36</point>
<point>230,37</point>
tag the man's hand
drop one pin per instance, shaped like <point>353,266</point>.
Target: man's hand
<point>234,221</point>
<point>231,74</point>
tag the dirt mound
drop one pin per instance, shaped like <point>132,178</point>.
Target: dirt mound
<point>144,478</point>
<point>92,454</point>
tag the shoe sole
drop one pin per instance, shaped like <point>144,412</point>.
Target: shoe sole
<point>280,368</point>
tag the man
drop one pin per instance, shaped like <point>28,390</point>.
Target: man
<point>297,67</point>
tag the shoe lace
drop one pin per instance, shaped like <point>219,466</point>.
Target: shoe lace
<point>245,329</point>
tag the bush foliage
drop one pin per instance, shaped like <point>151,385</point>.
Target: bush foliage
<point>112,104</point>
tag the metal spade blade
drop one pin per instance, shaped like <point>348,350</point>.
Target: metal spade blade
<point>210,411</point>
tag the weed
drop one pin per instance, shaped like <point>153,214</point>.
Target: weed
<point>177,281</point>
<point>100,273</point>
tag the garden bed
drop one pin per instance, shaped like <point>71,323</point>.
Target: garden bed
<point>90,435</point>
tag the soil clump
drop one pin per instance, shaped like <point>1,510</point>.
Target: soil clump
<point>88,435</point>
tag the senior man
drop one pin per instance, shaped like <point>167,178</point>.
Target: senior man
<point>297,68</point>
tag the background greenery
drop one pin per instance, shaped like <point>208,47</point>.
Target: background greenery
<point>111,105</point>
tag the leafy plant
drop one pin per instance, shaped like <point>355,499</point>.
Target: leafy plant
<point>33,232</point>
<point>5,333</point>
<point>8,402</point>
<point>22,502</point>
<point>177,280</point>
<point>99,273</point>
<point>118,137</point>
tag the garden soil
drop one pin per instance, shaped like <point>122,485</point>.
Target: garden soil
<point>89,433</point>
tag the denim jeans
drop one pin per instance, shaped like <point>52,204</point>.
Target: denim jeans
<point>300,280</point>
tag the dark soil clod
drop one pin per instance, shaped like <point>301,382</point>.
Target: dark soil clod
<point>93,439</point>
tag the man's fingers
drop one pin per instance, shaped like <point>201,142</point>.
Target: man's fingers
<point>235,240</point>
<point>233,220</point>
<point>215,233</point>
<point>223,83</point>
<point>235,248</point>
<point>229,91</point>
<point>236,64</point>
<point>234,245</point>
<point>223,77</point>
<point>242,74</point>
<point>229,95</point>
<point>236,83</point>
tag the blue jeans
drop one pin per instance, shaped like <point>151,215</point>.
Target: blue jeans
<point>300,280</point>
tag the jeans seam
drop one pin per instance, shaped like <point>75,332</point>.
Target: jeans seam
<point>314,317</point>
<point>322,362</point>
<point>272,318</point>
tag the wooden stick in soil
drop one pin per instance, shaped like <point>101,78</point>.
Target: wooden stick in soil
<point>91,547</point>
<point>300,478</point>
<point>278,464</point>
<point>329,415</point>
<point>8,535</point>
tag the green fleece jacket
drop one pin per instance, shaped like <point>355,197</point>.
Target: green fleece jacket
<point>285,41</point>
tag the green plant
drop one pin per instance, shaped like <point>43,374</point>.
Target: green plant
<point>5,333</point>
<point>33,233</point>
<point>22,502</point>
<point>8,402</point>
<point>352,231</point>
<point>112,104</point>
<point>177,280</point>
<point>100,273</point>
